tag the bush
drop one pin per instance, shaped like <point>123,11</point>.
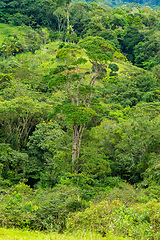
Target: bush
<point>17,207</point>
<point>55,205</point>
<point>140,221</point>
<point>23,207</point>
<point>126,212</point>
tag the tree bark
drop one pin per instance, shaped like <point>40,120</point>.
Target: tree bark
<point>77,137</point>
<point>78,129</point>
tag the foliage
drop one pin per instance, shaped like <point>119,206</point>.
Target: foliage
<point>18,207</point>
<point>69,60</point>
<point>42,147</point>
<point>137,87</point>
<point>126,213</point>
<point>77,108</point>
<point>129,143</point>
<point>18,117</point>
<point>13,164</point>
<point>24,208</point>
<point>145,51</point>
<point>27,40</point>
<point>5,80</point>
<point>137,222</point>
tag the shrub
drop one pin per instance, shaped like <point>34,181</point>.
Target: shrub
<point>17,207</point>
<point>47,209</point>
<point>140,221</point>
<point>55,205</point>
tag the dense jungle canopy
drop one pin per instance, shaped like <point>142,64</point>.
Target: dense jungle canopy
<point>80,116</point>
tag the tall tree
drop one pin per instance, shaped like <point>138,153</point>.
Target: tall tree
<point>79,85</point>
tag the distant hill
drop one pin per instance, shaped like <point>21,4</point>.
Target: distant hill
<point>115,3</point>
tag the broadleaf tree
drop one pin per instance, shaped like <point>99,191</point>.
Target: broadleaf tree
<point>79,84</point>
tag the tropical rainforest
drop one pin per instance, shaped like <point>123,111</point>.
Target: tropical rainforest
<point>80,118</point>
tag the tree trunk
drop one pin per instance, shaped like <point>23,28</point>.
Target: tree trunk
<point>68,17</point>
<point>77,136</point>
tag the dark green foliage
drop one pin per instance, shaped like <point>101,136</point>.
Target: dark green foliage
<point>42,147</point>
<point>33,13</point>
<point>79,16</point>
<point>58,80</point>
<point>131,38</point>
<point>79,114</point>
<point>80,180</point>
<point>40,210</point>
<point>18,117</point>
<point>145,51</point>
<point>107,116</point>
<point>131,144</point>
<point>114,68</point>
<point>140,86</point>
<point>13,164</point>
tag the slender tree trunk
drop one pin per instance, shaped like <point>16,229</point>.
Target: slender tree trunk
<point>78,129</point>
<point>77,137</point>
<point>68,17</point>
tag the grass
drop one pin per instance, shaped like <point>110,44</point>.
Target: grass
<point>6,29</point>
<point>12,234</point>
<point>45,59</point>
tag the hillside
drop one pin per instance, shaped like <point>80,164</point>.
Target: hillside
<point>80,120</point>
<point>117,3</point>
<point>7,30</point>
